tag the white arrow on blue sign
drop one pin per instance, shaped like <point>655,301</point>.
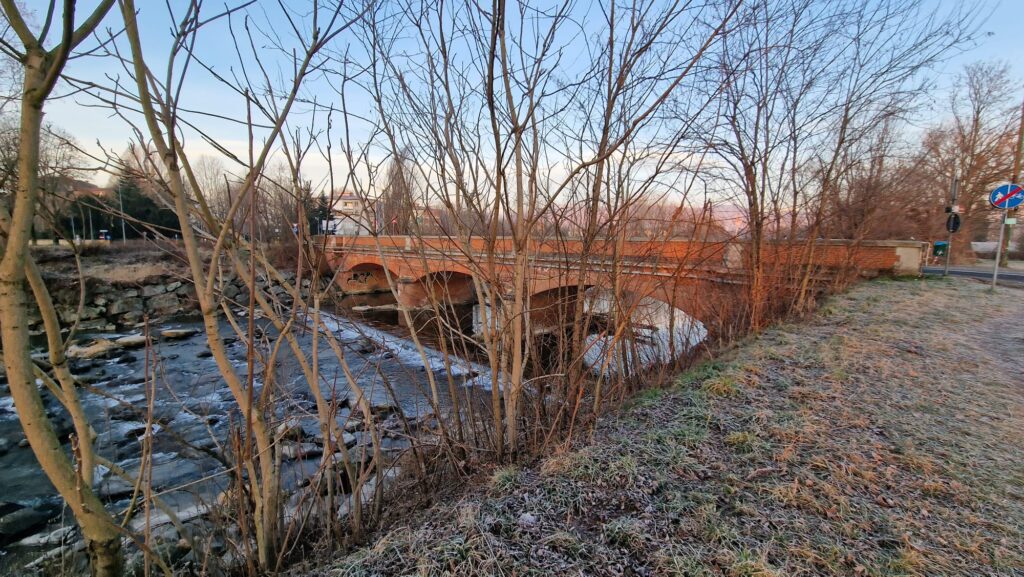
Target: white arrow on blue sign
<point>1007,196</point>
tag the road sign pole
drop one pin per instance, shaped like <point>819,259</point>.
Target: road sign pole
<point>1004,198</point>
<point>999,247</point>
<point>952,204</point>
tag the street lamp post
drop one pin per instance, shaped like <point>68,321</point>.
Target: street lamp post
<point>120,201</point>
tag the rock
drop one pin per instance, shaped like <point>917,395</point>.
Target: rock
<point>151,290</point>
<point>124,413</point>
<point>81,365</point>
<point>230,291</point>
<point>5,446</point>
<point>23,443</point>
<point>7,507</point>
<point>291,428</point>
<point>22,522</point>
<point>96,325</point>
<point>131,341</point>
<point>52,539</point>
<point>124,305</point>
<point>365,465</point>
<point>96,349</point>
<point>42,360</point>
<point>384,409</point>
<point>349,439</point>
<point>173,286</point>
<point>291,451</point>
<point>62,426</point>
<point>165,304</point>
<point>175,334</point>
<point>131,317</point>
<point>204,354</point>
<point>90,378</point>
<point>115,436</point>
<point>71,314</point>
<point>168,474</point>
<point>125,358</point>
<point>129,379</point>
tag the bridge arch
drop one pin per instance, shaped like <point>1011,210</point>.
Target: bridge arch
<point>660,329</point>
<point>553,307</point>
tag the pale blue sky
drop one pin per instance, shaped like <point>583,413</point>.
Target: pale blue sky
<point>1002,29</point>
<point>1002,26</point>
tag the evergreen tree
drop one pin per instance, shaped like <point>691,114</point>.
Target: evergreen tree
<point>141,212</point>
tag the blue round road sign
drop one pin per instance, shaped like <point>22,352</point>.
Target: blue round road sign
<point>1007,196</point>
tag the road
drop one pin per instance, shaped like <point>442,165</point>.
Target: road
<point>1008,275</point>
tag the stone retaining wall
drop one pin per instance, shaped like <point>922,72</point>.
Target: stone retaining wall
<point>110,306</point>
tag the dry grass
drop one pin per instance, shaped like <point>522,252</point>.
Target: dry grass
<point>130,263</point>
<point>880,438</point>
<point>127,273</point>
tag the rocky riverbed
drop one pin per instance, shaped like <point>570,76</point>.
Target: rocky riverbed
<point>192,414</point>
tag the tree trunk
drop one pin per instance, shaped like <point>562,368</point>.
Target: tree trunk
<point>102,536</point>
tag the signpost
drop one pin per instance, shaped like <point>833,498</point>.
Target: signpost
<point>952,222</point>
<point>1005,197</point>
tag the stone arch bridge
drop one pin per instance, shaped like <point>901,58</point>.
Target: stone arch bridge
<point>684,273</point>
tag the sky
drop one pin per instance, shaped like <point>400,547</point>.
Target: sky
<point>1001,30</point>
<point>96,129</point>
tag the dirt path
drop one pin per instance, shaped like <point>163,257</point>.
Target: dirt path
<point>882,437</point>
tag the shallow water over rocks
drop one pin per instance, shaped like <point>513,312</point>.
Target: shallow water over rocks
<point>192,412</point>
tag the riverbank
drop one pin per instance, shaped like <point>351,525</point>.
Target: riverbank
<point>879,437</point>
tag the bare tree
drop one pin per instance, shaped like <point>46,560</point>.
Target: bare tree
<point>41,69</point>
<point>976,146</point>
<point>808,82</point>
<point>397,205</point>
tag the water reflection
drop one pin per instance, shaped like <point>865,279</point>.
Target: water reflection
<point>657,333</point>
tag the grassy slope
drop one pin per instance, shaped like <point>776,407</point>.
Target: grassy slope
<point>882,437</point>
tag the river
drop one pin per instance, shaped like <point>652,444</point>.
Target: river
<point>196,410</point>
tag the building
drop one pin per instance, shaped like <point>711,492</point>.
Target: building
<point>348,215</point>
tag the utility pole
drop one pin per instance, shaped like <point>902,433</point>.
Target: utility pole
<point>1004,258</point>
<point>952,210</point>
